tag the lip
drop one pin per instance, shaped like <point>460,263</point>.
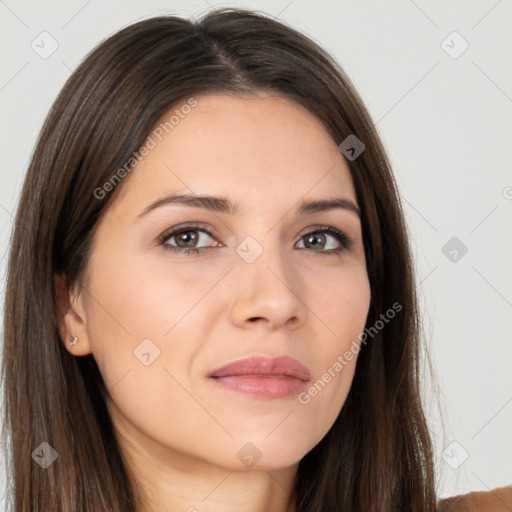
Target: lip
<point>263,376</point>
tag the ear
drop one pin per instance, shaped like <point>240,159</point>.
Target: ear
<point>71,319</point>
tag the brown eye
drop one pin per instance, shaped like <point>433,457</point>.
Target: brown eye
<point>187,239</point>
<point>318,241</point>
<point>314,240</point>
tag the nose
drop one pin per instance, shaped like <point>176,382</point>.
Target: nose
<point>266,291</point>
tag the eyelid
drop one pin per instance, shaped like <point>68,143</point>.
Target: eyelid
<point>188,225</point>
<point>340,235</point>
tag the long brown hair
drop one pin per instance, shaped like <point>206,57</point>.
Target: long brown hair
<point>378,455</point>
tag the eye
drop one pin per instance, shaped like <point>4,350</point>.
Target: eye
<point>312,239</point>
<point>187,237</point>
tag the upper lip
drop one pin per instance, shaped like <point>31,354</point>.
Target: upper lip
<point>262,366</point>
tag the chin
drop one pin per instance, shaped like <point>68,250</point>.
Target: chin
<point>259,454</point>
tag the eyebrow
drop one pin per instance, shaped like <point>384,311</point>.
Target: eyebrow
<point>224,205</point>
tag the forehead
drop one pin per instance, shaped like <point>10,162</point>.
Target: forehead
<point>257,147</point>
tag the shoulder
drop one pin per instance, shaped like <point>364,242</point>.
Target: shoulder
<point>496,500</point>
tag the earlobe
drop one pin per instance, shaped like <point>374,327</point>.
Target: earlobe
<point>73,341</point>
<point>71,324</point>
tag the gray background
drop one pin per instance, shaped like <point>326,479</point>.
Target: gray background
<point>445,117</point>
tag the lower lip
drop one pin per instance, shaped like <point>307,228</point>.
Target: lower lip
<point>263,387</point>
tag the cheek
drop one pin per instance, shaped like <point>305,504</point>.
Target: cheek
<point>140,334</point>
<point>138,300</point>
<point>342,308</point>
<point>342,303</point>
<point>146,324</point>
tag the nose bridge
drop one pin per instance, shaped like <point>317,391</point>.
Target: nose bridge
<point>261,252</point>
<point>264,281</point>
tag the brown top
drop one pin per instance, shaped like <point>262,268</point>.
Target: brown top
<point>496,500</point>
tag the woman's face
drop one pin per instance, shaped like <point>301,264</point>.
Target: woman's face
<point>267,281</point>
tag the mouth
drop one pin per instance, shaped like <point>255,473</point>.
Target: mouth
<point>263,377</point>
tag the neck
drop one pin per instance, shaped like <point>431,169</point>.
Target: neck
<point>166,480</point>
<point>197,486</point>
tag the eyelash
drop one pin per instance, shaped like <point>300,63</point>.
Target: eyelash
<point>339,235</point>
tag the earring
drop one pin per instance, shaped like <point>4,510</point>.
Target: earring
<point>73,341</point>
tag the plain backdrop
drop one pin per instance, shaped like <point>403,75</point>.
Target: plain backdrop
<point>436,77</point>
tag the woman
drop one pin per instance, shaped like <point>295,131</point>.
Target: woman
<point>210,301</point>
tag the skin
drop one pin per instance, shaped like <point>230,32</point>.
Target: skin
<point>178,429</point>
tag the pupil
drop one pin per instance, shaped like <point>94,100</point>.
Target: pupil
<point>190,234</point>
<point>311,239</point>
